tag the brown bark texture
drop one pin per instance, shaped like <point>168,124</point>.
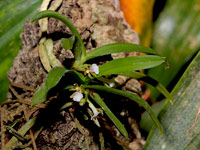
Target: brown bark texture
<point>99,22</point>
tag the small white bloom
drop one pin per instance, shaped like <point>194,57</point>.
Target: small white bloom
<point>94,110</point>
<point>94,68</point>
<point>96,113</point>
<point>112,84</point>
<point>77,96</point>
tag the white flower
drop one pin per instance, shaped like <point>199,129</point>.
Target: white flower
<point>77,96</point>
<point>96,113</point>
<point>111,84</point>
<point>94,68</point>
<point>94,110</point>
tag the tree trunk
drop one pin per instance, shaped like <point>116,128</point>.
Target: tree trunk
<point>99,22</point>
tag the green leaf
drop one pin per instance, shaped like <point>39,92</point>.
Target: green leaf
<point>146,122</point>
<point>176,37</point>
<point>77,48</point>
<point>79,53</point>
<point>78,76</point>
<point>151,81</point>
<point>67,43</point>
<point>40,95</point>
<point>13,15</point>
<point>53,78</point>
<point>108,112</point>
<point>130,96</point>
<point>178,120</point>
<point>117,48</point>
<point>128,64</point>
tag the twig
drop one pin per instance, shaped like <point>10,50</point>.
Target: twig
<point>78,125</point>
<point>13,141</point>
<point>195,121</point>
<point>31,132</point>
<point>121,141</point>
<point>8,101</point>
<point>2,127</point>
<point>13,106</point>
<point>101,140</point>
<point>16,134</point>
<point>22,101</point>
<point>23,86</point>
<point>18,97</point>
<point>29,143</point>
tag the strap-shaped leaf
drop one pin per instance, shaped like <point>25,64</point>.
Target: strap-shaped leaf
<point>151,81</point>
<point>123,65</point>
<point>53,78</point>
<point>180,121</point>
<point>67,43</point>
<point>117,48</point>
<point>49,13</point>
<point>108,112</point>
<point>39,96</point>
<point>130,96</point>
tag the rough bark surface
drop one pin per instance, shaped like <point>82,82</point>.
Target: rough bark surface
<point>99,22</point>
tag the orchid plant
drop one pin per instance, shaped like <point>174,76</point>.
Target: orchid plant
<point>91,78</point>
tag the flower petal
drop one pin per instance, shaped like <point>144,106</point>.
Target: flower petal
<point>77,96</point>
<point>94,110</point>
<point>96,113</point>
<point>94,68</point>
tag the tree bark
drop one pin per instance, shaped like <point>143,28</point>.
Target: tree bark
<point>99,22</point>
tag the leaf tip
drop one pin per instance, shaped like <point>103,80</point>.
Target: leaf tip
<point>33,104</point>
<point>32,21</point>
<point>126,134</point>
<point>161,130</point>
<point>171,101</point>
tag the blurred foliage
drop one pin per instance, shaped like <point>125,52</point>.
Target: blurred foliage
<point>146,122</point>
<point>138,13</point>
<point>176,37</point>
<point>180,121</point>
<point>13,15</point>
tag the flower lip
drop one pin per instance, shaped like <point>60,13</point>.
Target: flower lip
<point>94,110</point>
<point>94,68</point>
<point>96,113</point>
<point>77,96</point>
